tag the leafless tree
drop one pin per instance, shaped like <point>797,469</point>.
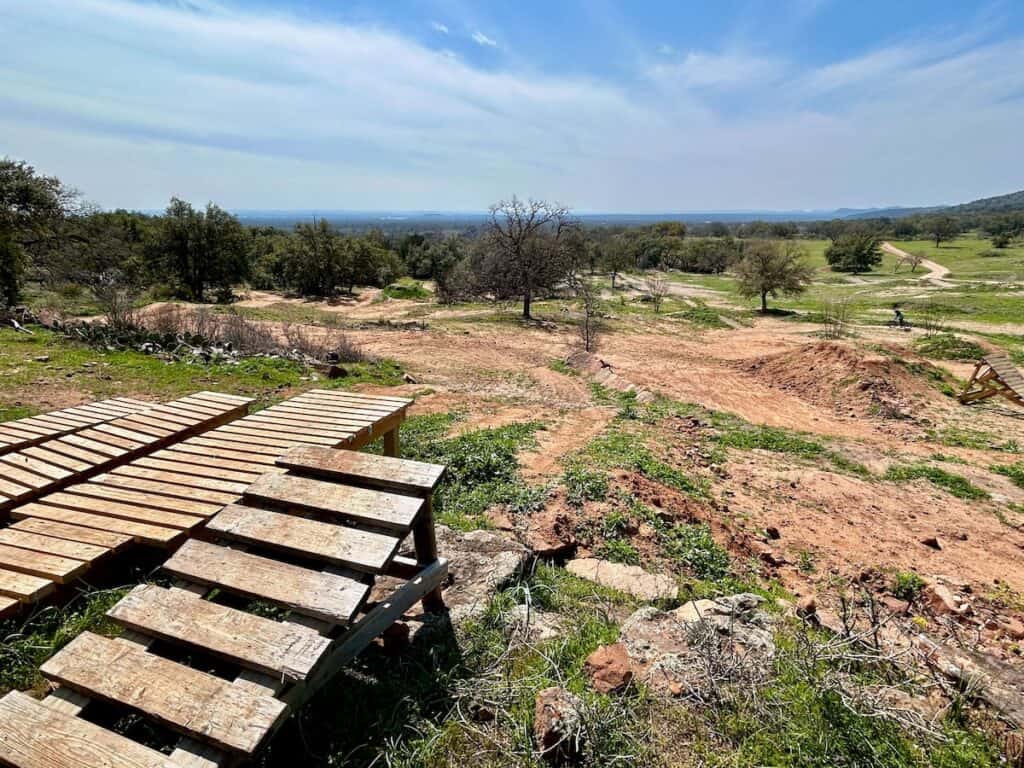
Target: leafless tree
<point>657,289</point>
<point>530,246</point>
<point>591,317</point>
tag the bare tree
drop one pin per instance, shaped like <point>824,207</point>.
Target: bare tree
<point>530,247</point>
<point>591,318</point>
<point>657,289</point>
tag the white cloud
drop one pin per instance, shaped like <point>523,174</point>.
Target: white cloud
<point>439,27</point>
<point>699,69</point>
<point>481,39</point>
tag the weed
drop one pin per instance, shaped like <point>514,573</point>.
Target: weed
<point>560,366</point>
<point>1013,471</point>
<point>907,585</point>
<point>957,485</point>
<point>948,346</point>
<point>694,547</point>
<point>805,561</point>
<point>619,551</point>
<point>583,484</point>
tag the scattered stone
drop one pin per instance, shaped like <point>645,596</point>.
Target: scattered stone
<point>942,600</point>
<point>773,533</point>
<point>531,624</point>
<point>1012,627</point>
<point>408,379</point>
<point>631,579</point>
<point>806,607</point>
<point>931,542</point>
<point>42,359</point>
<point>895,605</point>
<point>609,668</point>
<point>556,725</point>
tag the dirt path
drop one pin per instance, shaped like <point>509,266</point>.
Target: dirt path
<point>936,274</point>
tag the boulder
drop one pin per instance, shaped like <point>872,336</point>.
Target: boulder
<point>631,579</point>
<point>609,668</point>
<point>942,600</point>
<point>479,563</point>
<point>557,731</point>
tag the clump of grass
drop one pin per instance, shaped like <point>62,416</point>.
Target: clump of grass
<point>1013,471</point>
<point>963,437</point>
<point>948,346</point>
<point>701,314</point>
<point>693,546</point>
<point>619,551</point>
<point>907,585</point>
<point>619,450</point>
<point>560,366</point>
<point>957,485</point>
<point>750,437</point>
<point>406,289</point>
<point>583,484</point>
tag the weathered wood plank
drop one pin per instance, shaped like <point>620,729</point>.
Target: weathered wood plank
<point>227,453</point>
<point>379,508</point>
<point>185,699</point>
<point>178,478</point>
<point>82,503</point>
<point>337,544</point>
<point>172,492</point>
<point>74,534</point>
<point>188,468</point>
<point>265,437</point>
<point>143,499</point>
<point>37,736</point>
<point>23,586</point>
<point>41,564</point>
<point>330,597</point>
<point>43,453</point>
<point>145,532</point>
<point>383,472</point>
<point>27,462</point>
<point>76,550</point>
<point>277,648</point>
<point>212,440</point>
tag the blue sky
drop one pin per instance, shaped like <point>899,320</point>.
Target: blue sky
<point>451,105</point>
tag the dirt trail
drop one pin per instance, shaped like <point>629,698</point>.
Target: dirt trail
<point>936,274</point>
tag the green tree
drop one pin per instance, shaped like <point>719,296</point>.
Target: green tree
<point>772,268</point>
<point>616,256</point>
<point>942,229</point>
<point>854,252</point>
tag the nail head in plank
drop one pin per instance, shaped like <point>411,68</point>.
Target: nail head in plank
<point>187,700</point>
<point>326,596</point>
<point>378,508</point>
<point>337,544</point>
<point>278,648</point>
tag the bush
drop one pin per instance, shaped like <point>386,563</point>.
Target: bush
<point>907,585</point>
<point>948,346</point>
<point>855,252</point>
<point>582,485</point>
<point>694,547</point>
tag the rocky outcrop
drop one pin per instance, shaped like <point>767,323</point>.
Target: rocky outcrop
<point>480,563</point>
<point>631,579</point>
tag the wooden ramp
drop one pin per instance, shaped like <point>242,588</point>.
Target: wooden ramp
<point>50,544</point>
<point>994,375</point>
<point>22,433</point>
<point>310,544</point>
<point>162,495</point>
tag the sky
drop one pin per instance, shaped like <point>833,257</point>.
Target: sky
<point>451,105</point>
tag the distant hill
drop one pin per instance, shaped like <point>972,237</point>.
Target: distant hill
<point>999,204</point>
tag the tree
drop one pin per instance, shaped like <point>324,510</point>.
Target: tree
<point>199,249</point>
<point>616,256</point>
<point>657,289</point>
<point>942,229</point>
<point>529,247</point>
<point>772,268</point>
<point>591,318</point>
<point>32,208</point>
<point>854,252</point>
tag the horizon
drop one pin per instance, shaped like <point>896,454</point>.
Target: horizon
<point>751,106</point>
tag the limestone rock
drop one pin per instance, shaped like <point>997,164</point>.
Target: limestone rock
<point>556,725</point>
<point>631,579</point>
<point>480,563</point>
<point>532,625</point>
<point>609,668</point>
<point>943,601</point>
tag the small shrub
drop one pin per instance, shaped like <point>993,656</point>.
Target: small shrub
<point>583,484</point>
<point>907,585</point>
<point>948,346</point>
<point>406,289</point>
<point>695,547</point>
<point>619,551</point>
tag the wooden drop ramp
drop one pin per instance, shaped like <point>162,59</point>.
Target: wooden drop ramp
<point>309,543</point>
<point>994,376</point>
<point>22,433</point>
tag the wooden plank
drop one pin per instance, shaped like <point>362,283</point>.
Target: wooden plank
<point>41,564</point>
<point>185,699</point>
<point>171,491</point>
<point>379,508</point>
<point>43,453</point>
<point>187,468</point>
<point>143,499</point>
<point>145,532</point>
<point>327,596</point>
<point>32,464</point>
<point>125,511</point>
<point>283,421</point>
<point>285,650</point>
<point>178,478</point>
<point>266,437</point>
<point>13,491</point>
<point>337,544</point>
<point>383,472</point>
<point>227,453</point>
<point>20,476</point>
<point>275,427</point>
<point>80,454</point>
<point>147,426</point>
<point>24,587</point>
<point>81,440</point>
<point>171,454</point>
<point>76,550</point>
<point>72,533</point>
<point>37,736</point>
<point>220,398</point>
<point>136,437</point>
<point>212,440</point>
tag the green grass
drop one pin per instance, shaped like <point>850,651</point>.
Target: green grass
<point>964,437</point>
<point>907,585</point>
<point>583,484</point>
<point>406,288</point>
<point>620,450</point>
<point>483,468</point>
<point>1013,471</point>
<point>956,485</point>
<point>948,346</point>
<point>99,373</point>
<point>971,257</point>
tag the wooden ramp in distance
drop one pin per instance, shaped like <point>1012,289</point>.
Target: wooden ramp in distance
<point>22,433</point>
<point>994,375</point>
<point>267,667</point>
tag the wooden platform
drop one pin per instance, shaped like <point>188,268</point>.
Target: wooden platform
<point>315,567</point>
<point>22,433</point>
<point>994,375</point>
<point>164,492</point>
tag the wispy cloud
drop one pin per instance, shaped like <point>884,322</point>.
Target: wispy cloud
<point>439,27</point>
<point>699,69</point>
<point>481,39</point>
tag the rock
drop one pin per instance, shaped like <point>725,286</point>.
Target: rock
<point>631,579</point>
<point>942,600</point>
<point>772,533</point>
<point>550,536</point>
<point>531,624</point>
<point>42,359</point>
<point>556,725</point>
<point>806,607</point>
<point>931,542</point>
<point>895,605</point>
<point>1012,627</point>
<point>408,379</point>
<point>609,668</point>
<point>480,562</point>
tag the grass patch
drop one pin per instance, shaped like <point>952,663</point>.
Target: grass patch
<point>693,547</point>
<point>962,437</point>
<point>483,468</point>
<point>617,449</point>
<point>406,288</point>
<point>583,484</point>
<point>1013,471</point>
<point>957,485</point>
<point>948,346</point>
<point>560,366</point>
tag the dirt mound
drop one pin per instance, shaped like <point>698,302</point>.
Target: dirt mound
<point>849,380</point>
